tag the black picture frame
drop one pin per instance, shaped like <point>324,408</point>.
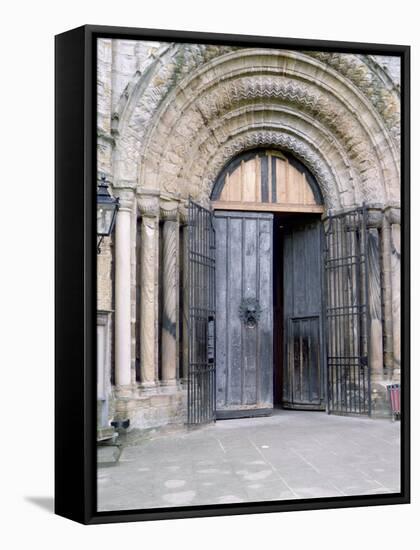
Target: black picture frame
<point>75,275</point>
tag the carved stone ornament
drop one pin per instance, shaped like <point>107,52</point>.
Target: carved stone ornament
<point>393,214</point>
<point>169,211</point>
<point>250,312</point>
<point>183,213</point>
<point>149,207</point>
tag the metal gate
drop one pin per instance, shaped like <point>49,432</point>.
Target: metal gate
<point>201,316</point>
<point>347,313</point>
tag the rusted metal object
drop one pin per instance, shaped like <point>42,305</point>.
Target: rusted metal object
<point>394,394</point>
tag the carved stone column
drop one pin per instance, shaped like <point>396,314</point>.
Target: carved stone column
<point>387,298</point>
<point>375,305</point>
<point>394,218</point>
<point>123,294</point>
<point>374,222</point>
<point>183,214</point>
<point>170,292</point>
<point>149,264</point>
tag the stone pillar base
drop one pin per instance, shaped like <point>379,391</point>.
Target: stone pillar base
<point>170,386</point>
<point>125,391</point>
<point>149,387</point>
<point>380,404</point>
<point>166,407</point>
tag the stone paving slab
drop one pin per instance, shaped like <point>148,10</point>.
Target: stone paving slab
<point>292,454</point>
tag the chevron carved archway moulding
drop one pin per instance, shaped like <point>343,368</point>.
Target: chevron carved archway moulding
<point>188,113</point>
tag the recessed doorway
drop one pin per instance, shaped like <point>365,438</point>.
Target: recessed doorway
<point>269,345</point>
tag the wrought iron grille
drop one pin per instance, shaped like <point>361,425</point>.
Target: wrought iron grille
<point>201,316</point>
<point>347,314</point>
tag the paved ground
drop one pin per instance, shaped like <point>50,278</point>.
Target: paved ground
<point>293,454</point>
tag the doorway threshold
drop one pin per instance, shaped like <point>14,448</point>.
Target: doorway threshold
<point>242,413</point>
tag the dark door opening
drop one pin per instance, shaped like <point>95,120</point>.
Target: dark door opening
<point>298,356</point>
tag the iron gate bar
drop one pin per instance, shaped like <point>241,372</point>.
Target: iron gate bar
<point>201,388</point>
<point>347,313</point>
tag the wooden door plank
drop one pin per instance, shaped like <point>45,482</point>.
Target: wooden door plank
<point>234,275</point>
<point>222,327</point>
<point>264,179</point>
<point>248,181</point>
<point>265,294</point>
<point>249,290</point>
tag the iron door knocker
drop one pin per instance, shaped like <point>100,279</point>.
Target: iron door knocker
<point>250,312</point>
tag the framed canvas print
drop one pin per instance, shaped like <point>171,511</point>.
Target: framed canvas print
<point>232,274</point>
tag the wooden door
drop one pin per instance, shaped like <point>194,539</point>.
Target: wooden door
<point>303,373</point>
<point>244,318</point>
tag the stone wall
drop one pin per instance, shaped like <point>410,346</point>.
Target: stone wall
<point>170,116</point>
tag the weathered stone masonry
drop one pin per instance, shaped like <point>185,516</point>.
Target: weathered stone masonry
<point>170,116</point>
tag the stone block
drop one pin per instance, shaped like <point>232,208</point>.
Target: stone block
<point>108,454</point>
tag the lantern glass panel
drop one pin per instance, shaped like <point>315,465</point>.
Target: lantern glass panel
<point>105,215</point>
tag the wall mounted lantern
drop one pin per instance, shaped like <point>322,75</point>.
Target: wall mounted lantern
<point>106,212</point>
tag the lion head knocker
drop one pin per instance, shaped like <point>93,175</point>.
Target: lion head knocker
<point>249,312</point>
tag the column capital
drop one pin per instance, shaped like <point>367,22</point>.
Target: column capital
<point>125,205</point>
<point>148,206</point>
<point>169,210</point>
<point>374,217</point>
<point>126,197</point>
<point>393,214</point>
<point>183,212</point>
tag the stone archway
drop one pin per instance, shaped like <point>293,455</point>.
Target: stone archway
<point>259,98</point>
<point>182,114</point>
<point>267,222</point>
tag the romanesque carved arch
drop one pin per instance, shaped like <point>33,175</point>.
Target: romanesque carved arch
<point>271,98</point>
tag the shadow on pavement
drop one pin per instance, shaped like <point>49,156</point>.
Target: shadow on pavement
<point>46,503</point>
